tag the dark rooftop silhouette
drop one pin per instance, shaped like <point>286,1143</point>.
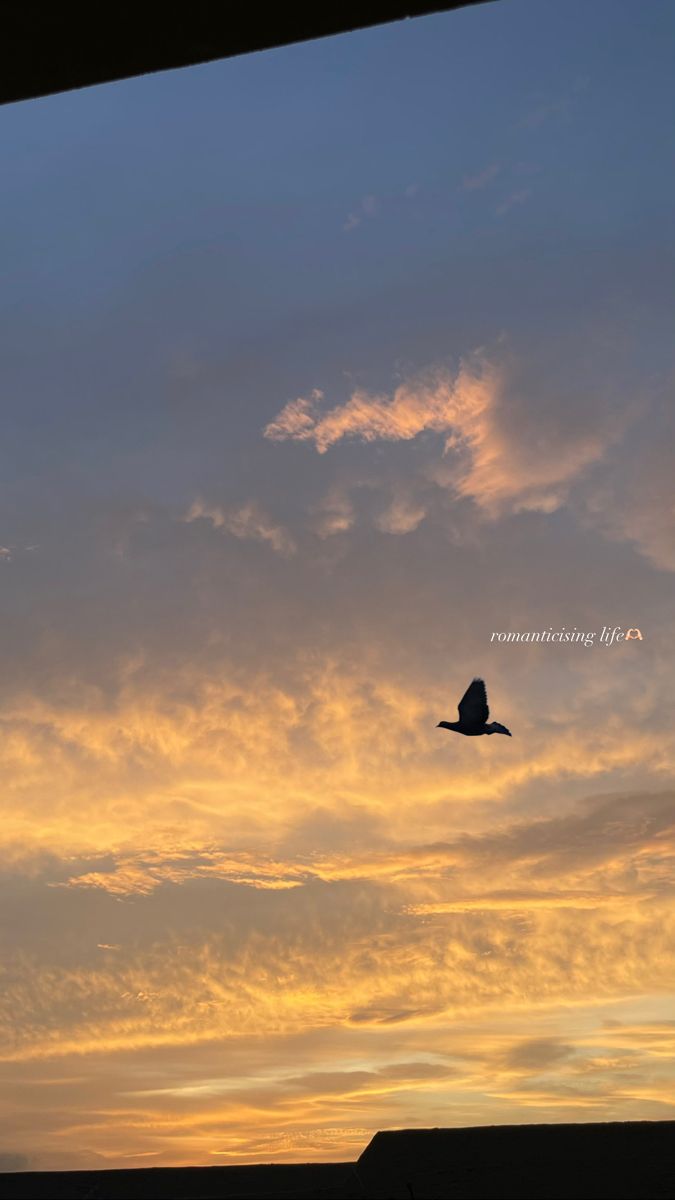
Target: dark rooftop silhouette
<point>621,1160</point>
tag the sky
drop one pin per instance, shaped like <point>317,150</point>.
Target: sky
<point>320,367</point>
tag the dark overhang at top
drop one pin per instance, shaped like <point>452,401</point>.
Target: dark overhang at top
<point>54,47</point>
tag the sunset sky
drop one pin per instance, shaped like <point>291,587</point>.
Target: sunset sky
<point>320,366</point>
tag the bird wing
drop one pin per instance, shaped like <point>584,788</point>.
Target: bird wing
<point>473,707</point>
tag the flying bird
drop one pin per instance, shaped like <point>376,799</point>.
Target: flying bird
<point>473,714</point>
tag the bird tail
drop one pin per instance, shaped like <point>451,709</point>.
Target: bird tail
<point>495,727</point>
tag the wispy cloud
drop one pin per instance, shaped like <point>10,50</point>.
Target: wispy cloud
<point>481,179</point>
<point>247,522</point>
<point>335,513</point>
<point>334,997</point>
<point>633,500</point>
<point>560,106</point>
<point>8,553</point>
<point>368,207</point>
<point>439,406</point>
<point>403,514</point>
<point>484,457</point>
<point>511,201</point>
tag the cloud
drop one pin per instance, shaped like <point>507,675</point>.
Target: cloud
<point>632,498</point>
<point>471,183</point>
<point>8,553</point>
<point>210,962</point>
<point>334,514</point>
<point>402,515</point>
<point>247,522</point>
<point>439,405</point>
<point>282,868</point>
<point>561,106</point>
<point>518,197</point>
<point>492,453</point>
<point>13,1162</point>
<point>368,207</point>
<point>333,1009</point>
<point>253,904</point>
<point>537,1054</point>
<point>552,863</point>
<point>324,1092</point>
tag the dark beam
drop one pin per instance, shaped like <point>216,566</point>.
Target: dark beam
<point>54,47</point>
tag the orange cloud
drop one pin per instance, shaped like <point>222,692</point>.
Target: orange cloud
<point>484,458</point>
<point>247,521</point>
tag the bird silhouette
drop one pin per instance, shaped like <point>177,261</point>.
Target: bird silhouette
<point>473,714</point>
